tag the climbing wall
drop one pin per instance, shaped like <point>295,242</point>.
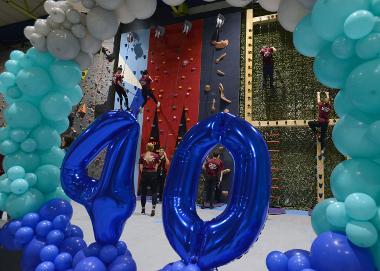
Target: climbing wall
<point>134,55</point>
<point>174,63</point>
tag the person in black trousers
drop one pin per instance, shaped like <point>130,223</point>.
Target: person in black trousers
<point>117,82</point>
<point>146,91</point>
<point>162,171</point>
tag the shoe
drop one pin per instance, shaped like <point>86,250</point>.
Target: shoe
<point>153,213</point>
<point>158,104</point>
<point>143,211</point>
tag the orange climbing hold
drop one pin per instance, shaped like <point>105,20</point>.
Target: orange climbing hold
<point>188,119</point>
<point>164,62</point>
<point>187,93</point>
<point>175,95</point>
<point>193,69</point>
<point>189,88</point>
<point>160,96</point>
<point>160,120</point>
<point>191,59</point>
<point>183,77</point>
<point>174,107</point>
<point>161,91</point>
<point>186,109</point>
<point>180,87</point>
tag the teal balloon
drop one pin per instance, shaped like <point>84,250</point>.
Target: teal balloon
<point>373,134</point>
<point>29,161</point>
<point>305,40</point>
<point>34,81</point>
<point>46,137</point>
<point>19,205</point>
<point>18,135</point>
<point>75,94</point>
<point>55,106</point>
<point>13,92</point>
<point>336,214</point>
<point>42,59</point>
<point>4,133</point>
<point>31,178</point>
<point>48,178</point>
<point>343,47</point>
<point>319,220</point>
<point>3,201</point>
<point>350,138</point>
<point>26,61</point>
<point>19,186</point>
<point>16,55</point>
<point>332,71</point>
<point>328,17</point>
<point>8,147</point>
<point>29,145</point>
<point>362,234</point>
<point>375,251</point>
<point>5,185</point>
<point>375,7</point>
<point>57,194</point>
<point>16,172</point>
<point>363,87</point>
<point>356,176</point>
<point>54,156</point>
<point>368,47</point>
<point>60,126</point>
<point>360,206</point>
<point>22,115</point>
<point>12,66</point>
<point>66,74</point>
<point>359,24</point>
<point>376,219</point>
<point>7,79</point>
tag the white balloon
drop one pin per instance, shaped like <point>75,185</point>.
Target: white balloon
<point>270,5</point>
<point>102,23</point>
<point>238,3</point>
<point>28,31</point>
<point>83,19</point>
<point>109,4</point>
<point>42,27</point>
<point>173,2</point>
<point>124,14</point>
<point>66,24</point>
<point>209,0</point>
<point>57,15</point>
<point>79,31</point>
<point>73,1</point>
<point>90,4</point>
<point>64,5</point>
<point>309,4</point>
<point>49,5</point>
<point>84,60</point>
<point>90,45</point>
<point>62,44</point>
<point>51,23</point>
<point>73,16</point>
<point>38,41</point>
<point>290,13</point>
<point>142,9</point>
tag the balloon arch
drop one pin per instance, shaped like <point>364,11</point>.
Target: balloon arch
<point>41,86</point>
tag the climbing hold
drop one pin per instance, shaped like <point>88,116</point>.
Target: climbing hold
<point>174,117</point>
<point>226,110</point>
<point>152,61</point>
<point>188,119</point>
<point>191,59</point>
<point>179,87</point>
<point>207,88</point>
<point>175,95</point>
<point>193,69</point>
<point>174,107</point>
<point>178,58</point>
<point>147,118</point>
<point>185,63</point>
<point>161,131</point>
<point>186,109</point>
<point>163,62</point>
<point>187,93</point>
<point>161,91</point>
<point>160,96</point>
<point>189,88</point>
<point>189,49</point>
<point>160,120</point>
<point>220,73</point>
<point>220,58</point>
<point>158,110</point>
<point>183,77</point>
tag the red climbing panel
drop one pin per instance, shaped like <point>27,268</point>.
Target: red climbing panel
<point>174,62</point>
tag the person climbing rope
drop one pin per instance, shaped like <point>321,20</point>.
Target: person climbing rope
<point>268,65</point>
<point>117,82</point>
<point>146,82</point>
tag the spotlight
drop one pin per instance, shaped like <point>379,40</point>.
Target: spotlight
<point>130,37</point>
<point>187,25</point>
<point>160,32</point>
<point>220,21</point>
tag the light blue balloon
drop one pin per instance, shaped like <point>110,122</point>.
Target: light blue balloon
<point>356,176</point>
<point>18,135</point>
<point>336,214</point>
<point>349,136</point>
<point>22,115</point>
<point>66,74</point>
<point>19,186</point>
<point>328,17</point>
<point>4,133</point>
<point>369,46</point>
<point>26,61</point>
<point>362,234</point>
<point>48,178</point>
<point>54,156</point>
<point>75,94</point>
<point>305,40</point>
<point>3,200</point>
<point>29,145</point>
<point>61,125</point>
<point>19,205</point>
<point>46,137</point>
<point>16,55</point>
<point>31,178</point>
<point>13,92</point>
<point>29,161</point>
<point>42,59</point>
<point>360,206</point>
<point>55,106</point>
<point>363,87</point>
<point>343,47</point>
<point>16,172</point>
<point>8,146</point>
<point>34,81</point>
<point>319,220</point>
<point>332,71</point>
<point>12,66</point>
<point>5,185</point>
<point>7,79</point>
<point>359,24</point>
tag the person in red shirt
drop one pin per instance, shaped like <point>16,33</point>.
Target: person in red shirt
<point>213,168</point>
<point>324,110</point>
<point>148,168</point>
<point>268,65</point>
<point>117,82</point>
<point>146,82</point>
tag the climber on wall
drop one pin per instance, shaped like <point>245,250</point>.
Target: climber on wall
<point>268,65</point>
<point>117,82</point>
<point>146,82</point>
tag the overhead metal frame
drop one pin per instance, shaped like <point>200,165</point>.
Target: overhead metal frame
<point>24,7</point>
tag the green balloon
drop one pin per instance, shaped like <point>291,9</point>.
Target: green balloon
<point>48,178</point>
<point>362,234</point>
<point>336,214</point>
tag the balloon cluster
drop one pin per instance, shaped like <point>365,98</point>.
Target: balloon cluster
<point>50,242</point>
<point>235,3</point>
<point>40,91</point>
<point>329,252</point>
<point>180,266</point>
